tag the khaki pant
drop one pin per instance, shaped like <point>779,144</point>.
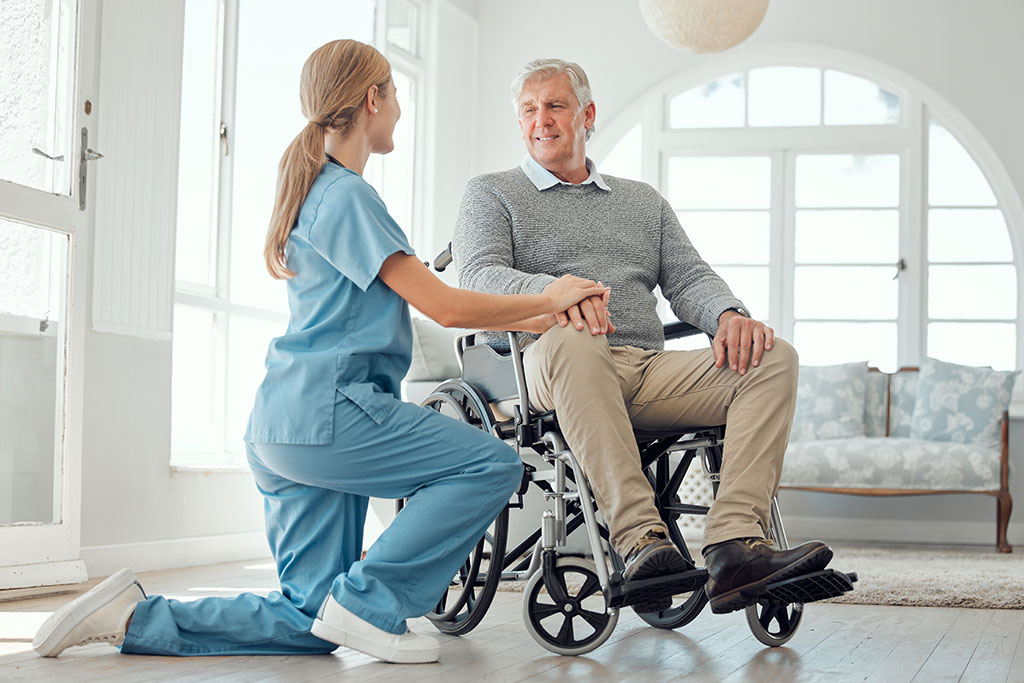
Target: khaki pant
<point>600,393</point>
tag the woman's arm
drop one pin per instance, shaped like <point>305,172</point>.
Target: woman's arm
<point>453,307</point>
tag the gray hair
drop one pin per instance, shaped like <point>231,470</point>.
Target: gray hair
<point>549,68</point>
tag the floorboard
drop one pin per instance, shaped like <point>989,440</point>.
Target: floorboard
<point>834,643</point>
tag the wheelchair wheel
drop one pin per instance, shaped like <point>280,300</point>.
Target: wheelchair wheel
<point>573,627</point>
<point>462,607</point>
<point>774,622</point>
<point>685,607</point>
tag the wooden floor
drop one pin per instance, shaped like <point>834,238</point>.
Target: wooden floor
<point>834,643</point>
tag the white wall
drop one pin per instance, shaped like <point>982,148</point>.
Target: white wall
<point>970,53</point>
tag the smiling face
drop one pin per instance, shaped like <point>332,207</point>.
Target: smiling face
<point>554,126</point>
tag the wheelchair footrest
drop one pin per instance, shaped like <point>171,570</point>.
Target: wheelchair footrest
<point>627,593</point>
<point>811,587</point>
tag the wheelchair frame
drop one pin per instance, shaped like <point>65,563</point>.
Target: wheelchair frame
<point>773,620</point>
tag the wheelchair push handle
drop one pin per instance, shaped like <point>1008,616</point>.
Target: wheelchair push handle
<point>444,259</point>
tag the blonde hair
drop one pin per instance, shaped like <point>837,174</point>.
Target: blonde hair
<point>335,79</point>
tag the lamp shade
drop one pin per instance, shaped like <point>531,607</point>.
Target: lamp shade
<point>703,26</point>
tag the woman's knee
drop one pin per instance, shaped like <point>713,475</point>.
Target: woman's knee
<point>507,467</point>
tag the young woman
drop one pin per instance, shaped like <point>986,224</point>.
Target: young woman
<point>327,429</point>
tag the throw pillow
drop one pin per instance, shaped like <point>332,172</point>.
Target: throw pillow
<point>830,402</point>
<point>960,403</point>
<point>433,352</point>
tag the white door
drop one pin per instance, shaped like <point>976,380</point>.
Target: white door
<point>47,75</point>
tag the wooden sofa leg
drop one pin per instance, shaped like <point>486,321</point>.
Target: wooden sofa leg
<point>1004,505</point>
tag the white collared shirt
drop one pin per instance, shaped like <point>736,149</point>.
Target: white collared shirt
<point>542,178</point>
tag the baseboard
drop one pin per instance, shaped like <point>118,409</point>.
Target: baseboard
<point>834,529</point>
<point>43,574</point>
<point>103,560</point>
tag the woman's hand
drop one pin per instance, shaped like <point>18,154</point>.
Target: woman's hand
<point>592,309</point>
<point>569,290</point>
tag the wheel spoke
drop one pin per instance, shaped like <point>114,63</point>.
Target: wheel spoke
<point>542,611</point>
<point>588,588</point>
<point>782,616</point>
<point>565,634</point>
<point>595,619</point>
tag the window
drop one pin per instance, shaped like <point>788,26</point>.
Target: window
<point>796,184</point>
<point>240,109</point>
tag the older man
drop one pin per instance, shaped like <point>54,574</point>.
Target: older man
<point>607,373</point>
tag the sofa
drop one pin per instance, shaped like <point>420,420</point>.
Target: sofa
<point>863,432</point>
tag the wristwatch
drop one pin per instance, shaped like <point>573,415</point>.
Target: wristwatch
<point>739,309</point>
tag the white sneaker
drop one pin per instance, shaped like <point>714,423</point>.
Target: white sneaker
<point>98,616</point>
<point>336,624</point>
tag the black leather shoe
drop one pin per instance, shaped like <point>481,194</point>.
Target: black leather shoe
<point>653,556</point>
<point>739,570</point>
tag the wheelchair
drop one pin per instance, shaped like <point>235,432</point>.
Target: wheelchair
<point>571,603</point>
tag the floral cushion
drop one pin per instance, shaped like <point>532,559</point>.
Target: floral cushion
<point>830,402</point>
<point>960,403</point>
<point>892,463</point>
<point>903,388</point>
<point>875,406</point>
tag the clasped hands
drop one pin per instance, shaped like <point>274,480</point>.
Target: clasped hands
<point>591,312</point>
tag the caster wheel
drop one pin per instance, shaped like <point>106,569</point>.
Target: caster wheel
<point>575,626</point>
<point>773,622</point>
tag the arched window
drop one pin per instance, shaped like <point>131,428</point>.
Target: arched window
<point>838,201</point>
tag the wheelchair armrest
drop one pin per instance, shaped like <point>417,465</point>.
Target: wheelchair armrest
<point>678,330</point>
<point>444,259</point>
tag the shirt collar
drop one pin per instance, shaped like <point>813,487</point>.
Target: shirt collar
<point>542,178</point>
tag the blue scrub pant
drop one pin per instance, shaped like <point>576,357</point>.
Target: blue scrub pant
<point>457,480</point>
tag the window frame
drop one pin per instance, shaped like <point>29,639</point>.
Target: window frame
<point>906,137</point>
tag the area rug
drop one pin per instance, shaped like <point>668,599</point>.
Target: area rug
<point>924,576</point>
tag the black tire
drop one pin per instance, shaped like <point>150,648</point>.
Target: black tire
<point>472,590</point>
<point>774,622</point>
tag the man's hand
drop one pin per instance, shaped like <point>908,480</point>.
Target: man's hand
<point>743,340</point>
<point>592,312</point>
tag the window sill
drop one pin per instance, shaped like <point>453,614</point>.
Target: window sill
<point>210,469</point>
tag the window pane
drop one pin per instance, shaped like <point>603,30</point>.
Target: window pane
<point>972,292</point>
<point>750,285</point>
<point>953,176</point>
<point>845,292</point>
<point>625,160</point>
<point>729,236</point>
<point>719,182</point>
<point>195,384</point>
<point>33,288</point>
<point>718,104</point>
<point>841,180</point>
<point>269,118</point>
<point>968,235</point>
<point>983,344</point>
<point>32,271</point>
<point>847,236</point>
<point>854,101</point>
<point>248,339</point>
<point>829,343</point>
<point>402,25</point>
<point>37,48</point>
<point>198,153</point>
<point>785,96</point>
<point>398,168</point>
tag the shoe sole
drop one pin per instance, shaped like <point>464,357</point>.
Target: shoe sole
<point>659,563</point>
<point>744,596</point>
<point>324,631</point>
<point>57,627</point>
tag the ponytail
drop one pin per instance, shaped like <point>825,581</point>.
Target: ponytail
<point>335,80</point>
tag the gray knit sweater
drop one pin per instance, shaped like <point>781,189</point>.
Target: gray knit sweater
<point>511,238</point>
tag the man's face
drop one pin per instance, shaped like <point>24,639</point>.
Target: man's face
<point>554,125</point>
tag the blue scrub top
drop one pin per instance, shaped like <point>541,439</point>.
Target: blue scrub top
<point>348,331</point>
